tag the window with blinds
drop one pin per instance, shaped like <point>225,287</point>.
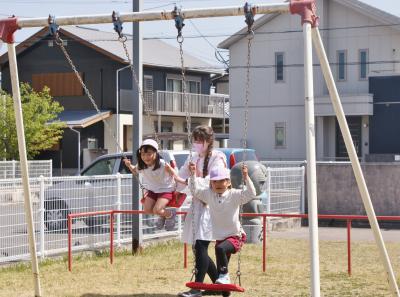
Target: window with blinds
<point>60,84</point>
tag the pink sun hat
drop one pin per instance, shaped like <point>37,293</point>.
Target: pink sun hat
<point>219,173</point>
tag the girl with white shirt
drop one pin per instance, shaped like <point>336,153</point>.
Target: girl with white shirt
<point>159,181</point>
<point>204,158</point>
<point>224,203</point>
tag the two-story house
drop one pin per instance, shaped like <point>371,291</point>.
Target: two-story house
<point>363,47</point>
<point>101,61</point>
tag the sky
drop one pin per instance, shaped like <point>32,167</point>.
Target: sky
<point>202,35</point>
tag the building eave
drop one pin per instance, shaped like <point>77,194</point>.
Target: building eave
<point>363,8</point>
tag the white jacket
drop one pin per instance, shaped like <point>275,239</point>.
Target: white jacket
<point>202,219</point>
<point>224,208</point>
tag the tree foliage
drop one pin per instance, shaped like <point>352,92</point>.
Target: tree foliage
<point>42,131</point>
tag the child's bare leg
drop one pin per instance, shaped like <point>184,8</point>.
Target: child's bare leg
<point>148,205</point>
<point>159,207</point>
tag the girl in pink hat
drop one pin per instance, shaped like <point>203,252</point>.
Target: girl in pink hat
<point>159,181</point>
<point>224,203</point>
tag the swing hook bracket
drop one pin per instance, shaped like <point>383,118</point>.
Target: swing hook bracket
<point>179,23</point>
<point>307,10</point>
<point>8,28</point>
<point>116,19</point>
<point>54,29</point>
<point>249,13</point>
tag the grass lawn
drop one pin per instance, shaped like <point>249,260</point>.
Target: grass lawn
<point>158,271</point>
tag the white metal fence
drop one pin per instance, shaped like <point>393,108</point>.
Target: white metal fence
<point>284,190</point>
<point>55,197</point>
<point>12,169</point>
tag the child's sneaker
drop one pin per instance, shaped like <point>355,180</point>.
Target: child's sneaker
<point>170,221</point>
<point>160,223</point>
<point>223,279</point>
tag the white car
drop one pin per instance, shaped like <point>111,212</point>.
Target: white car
<point>95,191</point>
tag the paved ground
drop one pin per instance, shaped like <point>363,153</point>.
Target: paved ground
<point>334,233</point>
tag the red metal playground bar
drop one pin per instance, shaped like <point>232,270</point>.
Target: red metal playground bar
<point>111,213</point>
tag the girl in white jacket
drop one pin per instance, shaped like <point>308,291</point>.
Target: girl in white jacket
<point>224,203</point>
<point>205,159</point>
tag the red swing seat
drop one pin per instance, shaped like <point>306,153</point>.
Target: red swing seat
<point>176,201</point>
<point>215,287</point>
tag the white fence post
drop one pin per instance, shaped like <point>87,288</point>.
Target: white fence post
<point>269,172</point>
<point>41,211</point>
<point>302,198</point>
<point>13,169</point>
<point>119,208</point>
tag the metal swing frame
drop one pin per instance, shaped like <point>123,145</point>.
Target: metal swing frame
<point>307,10</point>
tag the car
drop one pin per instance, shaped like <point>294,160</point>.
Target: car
<point>93,193</point>
<point>180,157</point>
<point>236,155</point>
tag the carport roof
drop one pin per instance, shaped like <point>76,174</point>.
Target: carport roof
<point>82,118</point>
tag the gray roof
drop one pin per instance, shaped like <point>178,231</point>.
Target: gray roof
<point>365,9</point>
<point>82,118</point>
<point>155,52</point>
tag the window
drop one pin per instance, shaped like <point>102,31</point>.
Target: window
<point>341,65</point>
<point>280,135</point>
<point>363,60</point>
<point>122,167</point>
<point>176,85</point>
<point>60,84</point>
<point>192,126</point>
<point>148,93</point>
<point>194,87</point>
<point>165,127</point>
<point>279,61</point>
<point>101,167</point>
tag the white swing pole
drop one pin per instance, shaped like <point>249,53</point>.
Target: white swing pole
<point>311,162</point>
<point>24,164</point>
<point>337,106</point>
<point>156,15</point>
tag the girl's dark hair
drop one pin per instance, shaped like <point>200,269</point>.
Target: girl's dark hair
<point>145,148</point>
<point>204,133</point>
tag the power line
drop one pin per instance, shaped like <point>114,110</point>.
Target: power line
<point>218,55</point>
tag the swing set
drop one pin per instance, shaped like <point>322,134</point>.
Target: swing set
<point>307,11</point>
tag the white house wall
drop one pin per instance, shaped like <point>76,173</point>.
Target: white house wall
<point>269,102</point>
<point>380,42</point>
<point>272,102</point>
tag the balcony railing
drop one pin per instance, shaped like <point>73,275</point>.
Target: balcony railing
<point>173,103</point>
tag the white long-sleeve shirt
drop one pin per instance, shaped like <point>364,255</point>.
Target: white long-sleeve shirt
<point>201,218</point>
<point>224,208</point>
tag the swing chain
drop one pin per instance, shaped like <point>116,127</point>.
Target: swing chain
<point>56,34</point>
<point>123,39</point>
<point>249,14</point>
<point>179,24</point>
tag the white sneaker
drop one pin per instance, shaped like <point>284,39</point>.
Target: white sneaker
<point>223,279</point>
